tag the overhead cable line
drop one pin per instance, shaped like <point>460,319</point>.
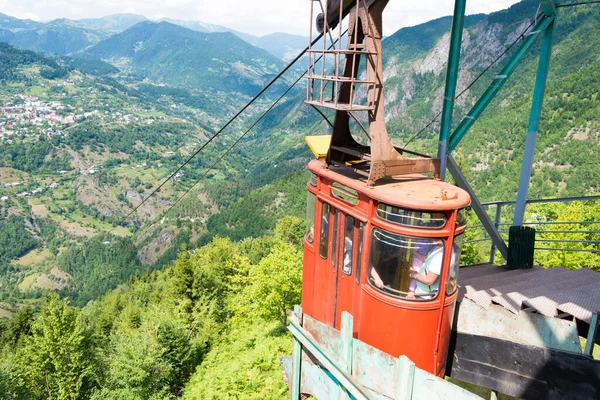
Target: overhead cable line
<point>248,131</point>
<point>583,3</point>
<point>234,144</point>
<point>264,89</point>
<point>520,37</point>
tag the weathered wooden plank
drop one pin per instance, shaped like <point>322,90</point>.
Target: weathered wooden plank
<point>297,359</point>
<point>522,370</point>
<point>525,328</point>
<point>346,341</point>
<point>405,378</point>
<point>328,337</point>
<point>328,362</point>
<point>366,372</point>
<point>374,369</point>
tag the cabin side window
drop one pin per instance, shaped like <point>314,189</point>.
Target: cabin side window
<point>345,193</point>
<point>454,265</point>
<point>334,244</point>
<point>361,231</point>
<point>405,267</point>
<point>421,219</point>
<point>324,232</point>
<point>311,201</point>
<point>348,245</point>
<point>461,219</point>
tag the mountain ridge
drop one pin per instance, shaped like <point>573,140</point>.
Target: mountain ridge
<point>180,57</point>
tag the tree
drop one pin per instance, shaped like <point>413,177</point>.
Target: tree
<point>275,284</point>
<point>291,230</point>
<point>136,367</point>
<point>56,362</point>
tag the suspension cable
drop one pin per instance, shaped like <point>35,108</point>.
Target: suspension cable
<point>264,89</point>
<point>249,129</point>
<point>234,144</point>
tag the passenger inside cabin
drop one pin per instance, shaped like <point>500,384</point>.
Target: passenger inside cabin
<point>426,280</point>
<point>405,267</point>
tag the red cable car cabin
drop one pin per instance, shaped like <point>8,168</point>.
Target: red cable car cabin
<point>388,255</point>
<point>383,240</point>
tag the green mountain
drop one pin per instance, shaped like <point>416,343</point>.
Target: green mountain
<point>177,56</point>
<point>61,36</point>
<point>8,22</point>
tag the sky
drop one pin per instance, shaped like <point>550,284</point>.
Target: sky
<point>258,17</point>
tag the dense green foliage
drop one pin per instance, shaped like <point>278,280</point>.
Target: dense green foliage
<point>11,58</point>
<point>38,156</point>
<point>144,340</point>
<point>91,67</point>
<point>15,240</point>
<point>98,265</point>
<point>256,214</point>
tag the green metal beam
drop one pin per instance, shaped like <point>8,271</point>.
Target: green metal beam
<point>548,7</point>
<point>458,22</point>
<point>534,122</point>
<point>497,84</point>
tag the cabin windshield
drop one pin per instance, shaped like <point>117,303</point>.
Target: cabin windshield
<point>394,257</point>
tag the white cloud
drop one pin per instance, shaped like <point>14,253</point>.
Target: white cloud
<point>257,17</point>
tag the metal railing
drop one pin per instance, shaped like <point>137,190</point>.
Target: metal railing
<point>497,208</point>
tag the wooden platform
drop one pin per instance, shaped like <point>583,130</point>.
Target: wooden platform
<point>553,292</point>
<point>518,331</point>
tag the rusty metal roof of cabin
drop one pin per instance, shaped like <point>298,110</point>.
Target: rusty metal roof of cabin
<point>550,291</point>
<point>415,191</point>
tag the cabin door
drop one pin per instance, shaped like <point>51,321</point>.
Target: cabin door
<point>348,262</point>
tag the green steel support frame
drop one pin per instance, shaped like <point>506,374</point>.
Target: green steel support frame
<point>544,24</point>
<point>534,122</point>
<point>458,22</point>
<point>499,81</point>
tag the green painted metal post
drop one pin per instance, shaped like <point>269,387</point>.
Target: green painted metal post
<point>296,359</point>
<point>499,81</point>
<point>458,22</point>
<point>592,334</point>
<point>534,122</point>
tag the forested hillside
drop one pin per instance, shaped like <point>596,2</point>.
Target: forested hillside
<point>222,307</point>
<point>178,56</point>
<point>61,36</point>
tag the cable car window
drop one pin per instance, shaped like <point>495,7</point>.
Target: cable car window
<point>454,265</point>
<point>345,193</point>
<point>324,234</point>
<point>404,266</point>
<point>313,180</point>
<point>361,231</point>
<point>348,244</point>
<point>461,220</point>
<point>334,244</point>
<point>310,217</point>
<point>421,219</point>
